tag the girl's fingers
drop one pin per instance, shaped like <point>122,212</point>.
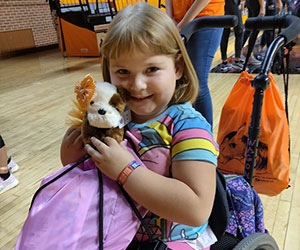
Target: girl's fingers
<point>109,140</point>
<point>92,152</point>
<point>98,144</point>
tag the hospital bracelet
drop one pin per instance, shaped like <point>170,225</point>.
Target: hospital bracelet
<point>130,167</point>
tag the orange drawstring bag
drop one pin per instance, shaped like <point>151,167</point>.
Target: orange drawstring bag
<point>271,171</point>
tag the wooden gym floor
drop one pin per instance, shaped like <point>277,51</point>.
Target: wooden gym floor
<point>35,93</point>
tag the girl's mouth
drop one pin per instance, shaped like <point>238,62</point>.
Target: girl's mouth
<point>141,99</point>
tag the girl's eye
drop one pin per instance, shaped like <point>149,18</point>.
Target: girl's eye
<point>122,71</point>
<point>92,102</point>
<point>152,69</point>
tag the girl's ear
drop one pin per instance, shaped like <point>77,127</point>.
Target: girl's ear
<point>179,66</point>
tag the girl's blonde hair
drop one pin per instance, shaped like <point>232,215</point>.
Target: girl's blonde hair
<point>145,28</point>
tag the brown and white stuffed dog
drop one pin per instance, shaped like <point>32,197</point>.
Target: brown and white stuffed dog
<point>98,109</point>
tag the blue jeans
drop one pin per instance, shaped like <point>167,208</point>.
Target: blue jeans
<point>201,48</point>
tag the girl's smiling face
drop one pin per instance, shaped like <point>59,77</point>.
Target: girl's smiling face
<point>149,79</point>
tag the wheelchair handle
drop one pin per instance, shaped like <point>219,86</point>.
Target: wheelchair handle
<point>226,21</point>
<point>261,81</point>
<point>289,22</point>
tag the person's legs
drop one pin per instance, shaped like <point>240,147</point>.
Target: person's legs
<point>7,180</point>
<point>263,39</point>
<point>202,47</point>
<point>225,65</point>
<point>253,11</point>
<point>268,35</point>
<point>224,44</point>
<point>3,157</point>
<point>247,32</point>
<point>238,33</point>
<point>270,11</point>
<point>237,64</point>
<point>226,32</point>
<point>231,8</point>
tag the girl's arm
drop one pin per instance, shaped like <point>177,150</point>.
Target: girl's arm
<point>187,198</point>
<point>192,12</point>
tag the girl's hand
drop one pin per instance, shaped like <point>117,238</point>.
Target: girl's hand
<point>110,156</point>
<point>72,147</point>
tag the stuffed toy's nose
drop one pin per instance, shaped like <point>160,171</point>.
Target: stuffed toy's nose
<point>101,112</point>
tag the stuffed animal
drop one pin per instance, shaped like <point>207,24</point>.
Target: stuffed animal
<point>98,109</point>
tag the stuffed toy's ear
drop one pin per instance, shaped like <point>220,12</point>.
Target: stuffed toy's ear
<point>118,102</point>
<point>85,91</point>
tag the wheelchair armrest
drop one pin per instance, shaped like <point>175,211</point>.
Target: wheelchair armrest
<point>220,213</point>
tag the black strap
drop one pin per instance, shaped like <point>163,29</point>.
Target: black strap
<point>100,194</point>
<point>285,74</point>
<point>57,177</point>
<point>137,213</point>
<point>286,83</point>
<point>100,209</point>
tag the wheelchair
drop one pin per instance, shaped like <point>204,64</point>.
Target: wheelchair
<point>219,217</point>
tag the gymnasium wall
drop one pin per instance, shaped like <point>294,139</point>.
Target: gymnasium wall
<point>25,24</point>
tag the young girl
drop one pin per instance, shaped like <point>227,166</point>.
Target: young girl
<point>143,53</point>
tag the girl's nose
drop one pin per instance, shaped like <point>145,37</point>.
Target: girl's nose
<point>138,83</point>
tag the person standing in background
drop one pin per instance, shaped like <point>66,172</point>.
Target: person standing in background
<point>273,8</point>
<point>202,46</point>
<point>232,8</point>
<point>255,8</point>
